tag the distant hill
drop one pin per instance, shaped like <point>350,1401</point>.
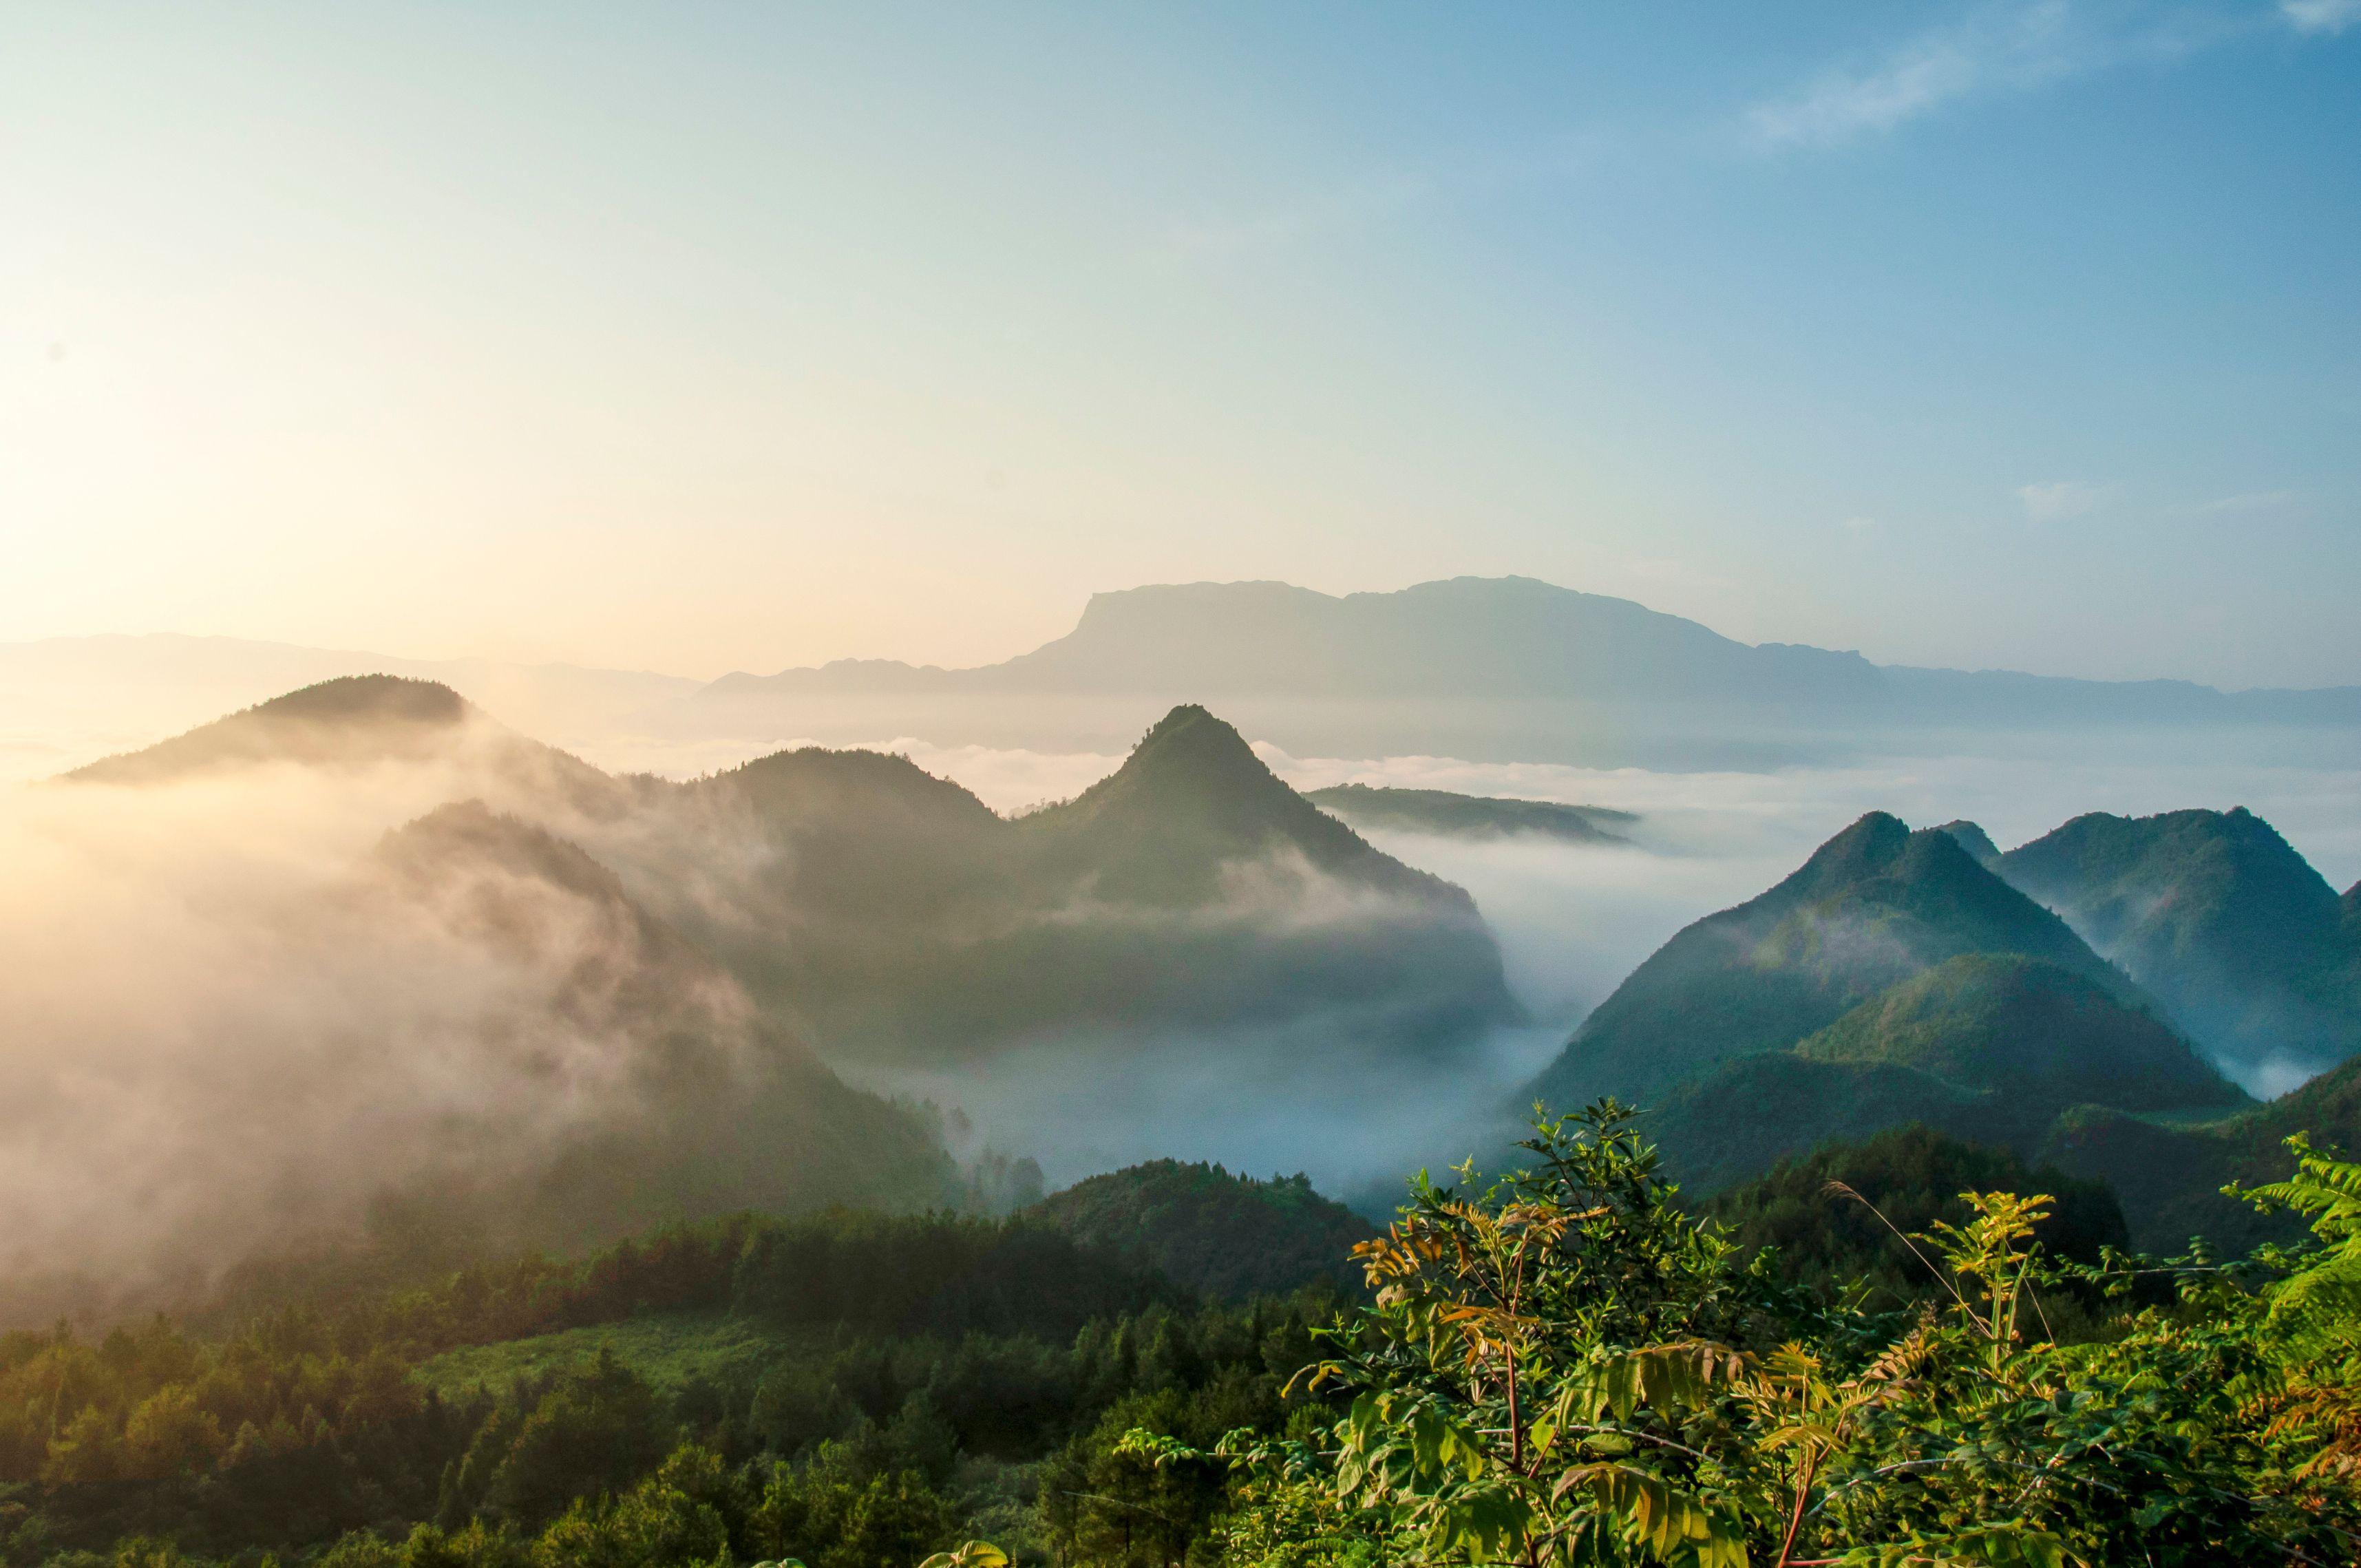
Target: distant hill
<point>349,721</point>
<point>1973,839</point>
<point>361,721</point>
<point>1913,1176</point>
<point>1228,1235</point>
<point>1874,906</point>
<point>2245,945</point>
<point>65,700</point>
<point>1470,815</point>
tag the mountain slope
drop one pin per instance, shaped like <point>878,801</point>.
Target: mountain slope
<point>1874,906</point>
<point>2220,919</point>
<point>2001,1021</point>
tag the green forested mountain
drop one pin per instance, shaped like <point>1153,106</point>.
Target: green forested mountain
<point>1455,816</point>
<point>1231,1236</point>
<point>2004,1022</point>
<point>2215,915</point>
<point>1874,906</point>
<point>1972,839</point>
<point>1892,980</point>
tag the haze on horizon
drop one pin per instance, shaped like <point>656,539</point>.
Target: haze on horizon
<point>2012,334</point>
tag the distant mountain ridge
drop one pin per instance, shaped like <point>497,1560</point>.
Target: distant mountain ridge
<point>1508,639</point>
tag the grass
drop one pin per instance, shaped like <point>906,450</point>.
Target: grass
<point>670,1351</point>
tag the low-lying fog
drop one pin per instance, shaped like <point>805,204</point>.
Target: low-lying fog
<point>1572,921</point>
<point>190,1050</point>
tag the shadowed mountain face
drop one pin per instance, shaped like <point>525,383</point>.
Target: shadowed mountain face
<point>1913,1176</point>
<point>2170,1176</point>
<point>1874,906</point>
<point>1470,815</point>
<point>2246,946</point>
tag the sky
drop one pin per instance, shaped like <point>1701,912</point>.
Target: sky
<point>704,338</point>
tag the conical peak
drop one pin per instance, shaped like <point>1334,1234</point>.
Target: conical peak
<point>1190,742</point>
<point>1868,847</point>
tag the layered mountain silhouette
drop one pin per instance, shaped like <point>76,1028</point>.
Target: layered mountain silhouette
<point>886,912</point>
<point>1892,979</point>
<point>2248,949</point>
<point>1457,816</point>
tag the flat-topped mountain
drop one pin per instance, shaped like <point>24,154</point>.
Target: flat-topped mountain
<point>2246,946</point>
<point>1874,906</point>
<point>1451,814</point>
<point>1507,639</point>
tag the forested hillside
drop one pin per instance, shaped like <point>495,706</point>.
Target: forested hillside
<point>861,1391</point>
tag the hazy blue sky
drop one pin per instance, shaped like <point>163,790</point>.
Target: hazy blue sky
<point>701,337</point>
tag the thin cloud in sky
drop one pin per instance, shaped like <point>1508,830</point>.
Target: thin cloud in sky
<point>2321,15</point>
<point>2056,501</point>
<point>2010,49</point>
<point>2250,500</point>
